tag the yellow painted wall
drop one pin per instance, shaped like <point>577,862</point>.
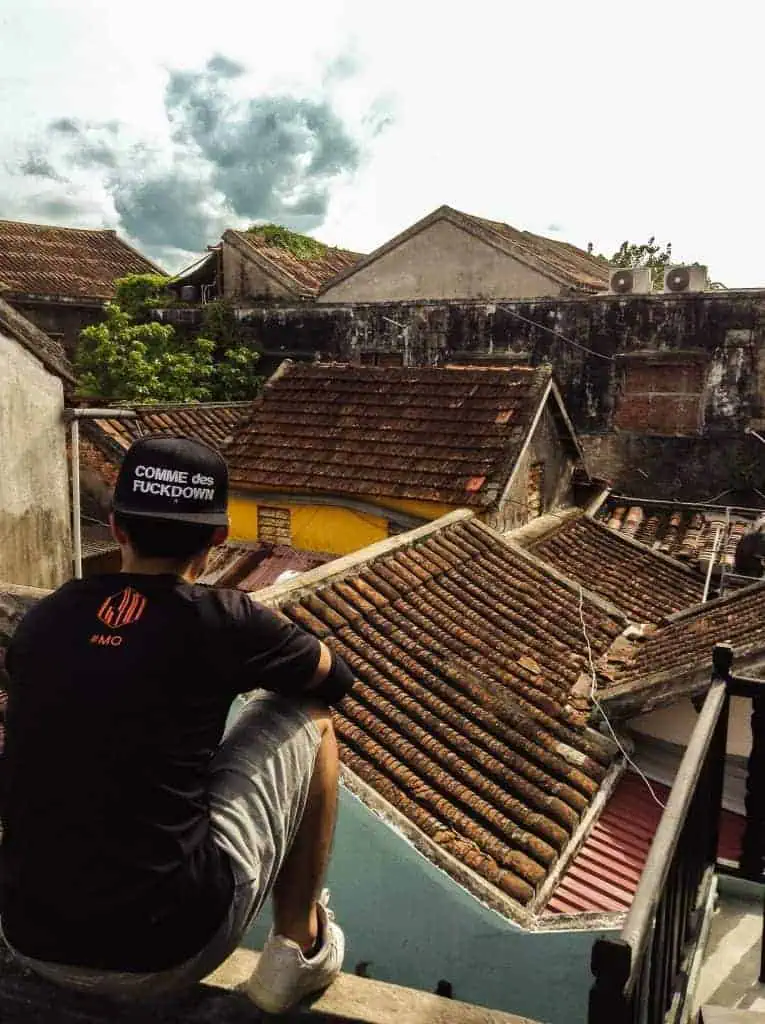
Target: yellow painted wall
<point>424,509</point>
<point>331,528</point>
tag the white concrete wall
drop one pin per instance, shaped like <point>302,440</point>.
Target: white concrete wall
<point>661,737</point>
<point>441,262</point>
<point>35,541</point>
<point>675,724</point>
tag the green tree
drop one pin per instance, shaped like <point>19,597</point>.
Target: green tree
<point>138,294</point>
<point>648,254</point>
<point>121,360</point>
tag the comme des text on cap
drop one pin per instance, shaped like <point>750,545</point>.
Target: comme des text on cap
<point>173,483</point>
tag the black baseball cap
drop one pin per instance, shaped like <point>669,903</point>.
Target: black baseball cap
<point>176,478</point>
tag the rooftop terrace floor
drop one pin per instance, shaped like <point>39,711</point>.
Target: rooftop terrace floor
<point>729,976</point>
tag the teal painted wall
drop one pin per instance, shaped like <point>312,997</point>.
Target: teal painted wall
<point>415,926</point>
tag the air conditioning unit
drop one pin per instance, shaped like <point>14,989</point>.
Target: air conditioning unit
<point>628,280</point>
<point>685,279</point>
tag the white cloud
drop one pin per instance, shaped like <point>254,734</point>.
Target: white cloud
<point>611,120</point>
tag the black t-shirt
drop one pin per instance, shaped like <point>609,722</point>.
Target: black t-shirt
<point>119,691</point>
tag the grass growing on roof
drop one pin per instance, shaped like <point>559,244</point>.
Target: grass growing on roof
<point>301,246</point>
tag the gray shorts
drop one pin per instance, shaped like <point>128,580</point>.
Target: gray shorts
<point>259,780</point>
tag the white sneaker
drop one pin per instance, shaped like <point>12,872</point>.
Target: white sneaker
<point>284,975</point>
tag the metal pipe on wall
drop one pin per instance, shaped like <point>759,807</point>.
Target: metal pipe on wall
<point>73,416</point>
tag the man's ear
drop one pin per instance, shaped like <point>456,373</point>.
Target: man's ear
<point>119,535</point>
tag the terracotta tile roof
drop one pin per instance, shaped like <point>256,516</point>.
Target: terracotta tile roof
<point>644,585</point>
<point>251,567</point>
<point>687,533</point>
<point>70,262</point>
<point>465,653</point>
<point>211,422</point>
<point>307,274</point>
<point>49,351</point>
<point>437,434</point>
<point>688,640</point>
<point>638,673</point>
<point>561,262</point>
<point>605,873</point>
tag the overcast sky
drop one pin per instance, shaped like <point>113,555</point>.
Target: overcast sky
<point>589,121</point>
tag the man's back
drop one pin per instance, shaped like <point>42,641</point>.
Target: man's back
<point>120,689</point>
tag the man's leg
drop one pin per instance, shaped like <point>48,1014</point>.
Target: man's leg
<point>297,886</point>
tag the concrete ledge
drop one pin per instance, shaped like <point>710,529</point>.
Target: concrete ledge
<point>26,999</point>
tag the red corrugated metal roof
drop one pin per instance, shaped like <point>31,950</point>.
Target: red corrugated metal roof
<point>604,875</point>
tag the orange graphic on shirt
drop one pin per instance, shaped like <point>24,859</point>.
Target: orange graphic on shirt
<point>122,609</point>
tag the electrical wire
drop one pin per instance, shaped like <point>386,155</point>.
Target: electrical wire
<point>556,334</point>
<point>599,706</point>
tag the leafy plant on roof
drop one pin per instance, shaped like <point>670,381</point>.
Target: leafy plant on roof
<point>302,246</point>
<point>124,360</point>
<point>138,294</point>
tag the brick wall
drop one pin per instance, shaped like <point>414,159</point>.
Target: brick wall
<point>665,398</point>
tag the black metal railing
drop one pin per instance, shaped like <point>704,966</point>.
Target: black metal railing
<point>642,976</point>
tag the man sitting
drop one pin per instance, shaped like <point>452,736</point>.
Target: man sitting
<point>139,842</point>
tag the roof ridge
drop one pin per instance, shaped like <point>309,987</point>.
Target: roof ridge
<point>519,236</point>
<point>343,566</point>
<point>154,406</point>
<point>60,227</point>
<point>706,606</point>
<point>244,232</point>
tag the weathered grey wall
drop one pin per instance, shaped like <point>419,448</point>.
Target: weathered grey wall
<point>545,449</point>
<point>440,262</point>
<point>35,545</point>
<point>60,320</point>
<point>689,442</point>
<point>243,279</point>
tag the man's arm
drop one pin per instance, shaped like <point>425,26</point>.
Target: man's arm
<point>266,649</point>
<point>332,678</point>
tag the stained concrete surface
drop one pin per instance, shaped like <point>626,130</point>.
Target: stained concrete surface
<point>26,999</point>
<point>730,973</point>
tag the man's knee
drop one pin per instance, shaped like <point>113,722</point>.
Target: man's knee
<point>320,715</point>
